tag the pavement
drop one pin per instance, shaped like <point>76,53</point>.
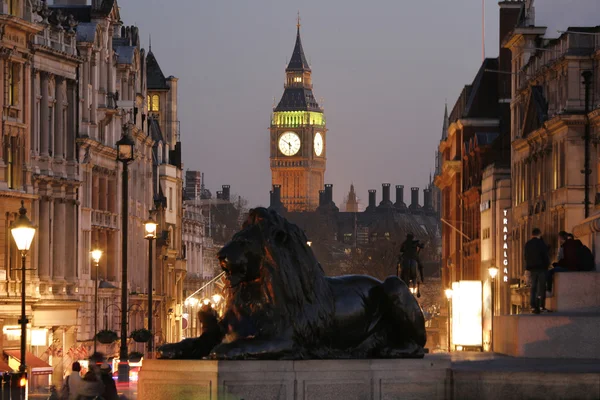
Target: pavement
<point>471,360</point>
<point>126,391</point>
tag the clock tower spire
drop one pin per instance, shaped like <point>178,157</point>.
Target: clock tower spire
<point>297,136</point>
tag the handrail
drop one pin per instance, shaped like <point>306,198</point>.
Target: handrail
<point>205,285</point>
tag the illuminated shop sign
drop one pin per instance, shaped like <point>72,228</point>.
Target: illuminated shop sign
<point>505,246</point>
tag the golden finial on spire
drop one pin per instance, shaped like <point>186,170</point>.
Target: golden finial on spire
<point>298,21</point>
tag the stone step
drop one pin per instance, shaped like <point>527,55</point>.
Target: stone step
<point>553,335</point>
<point>577,292</point>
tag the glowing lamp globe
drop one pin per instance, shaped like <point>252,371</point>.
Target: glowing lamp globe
<point>23,230</point>
<point>448,293</point>
<point>150,228</point>
<point>96,255</point>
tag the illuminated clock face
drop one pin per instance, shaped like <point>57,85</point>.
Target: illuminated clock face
<point>289,143</point>
<point>318,144</point>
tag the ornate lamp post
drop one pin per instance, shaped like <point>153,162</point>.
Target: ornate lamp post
<point>96,255</point>
<point>150,228</point>
<point>23,231</point>
<point>493,273</point>
<point>125,154</point>
<point>448,293</point>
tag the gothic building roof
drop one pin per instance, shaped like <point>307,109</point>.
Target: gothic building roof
<point>155,78</point>
<point>125,54</point>
<point>298,99</point>
<point>298,61</point>
<point>86,32</point>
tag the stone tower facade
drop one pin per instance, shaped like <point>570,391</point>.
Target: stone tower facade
<point>298,137</point>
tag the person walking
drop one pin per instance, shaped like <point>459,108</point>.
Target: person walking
<point>72,383</point>
<point>91,387</point>
<point>537,260</point>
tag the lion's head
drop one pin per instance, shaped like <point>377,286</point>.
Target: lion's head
<point>268,265</point>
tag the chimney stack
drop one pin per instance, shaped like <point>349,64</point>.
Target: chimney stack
<point>219,195</point>
<point>414,199</point>
<point>385,202</point>
<point>427,200</point>
<point>321,198</point>
<point>226,192</point>
<point>400,205</point>
<point>276,203</point>
<point>328,193</point>
<point>372,200</point>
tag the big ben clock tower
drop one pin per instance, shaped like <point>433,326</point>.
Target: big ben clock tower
<point>298,137</point>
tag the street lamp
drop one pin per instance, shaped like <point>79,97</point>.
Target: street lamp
<point>125,154</point>
<point>23,231</point>
<point>150,228</point>
<point>493,273</point>
<point>96,255</point>
<point>448,293</point>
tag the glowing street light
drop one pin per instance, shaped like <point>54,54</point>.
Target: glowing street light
<point>216,298</point>
<point>493,273</point>
<point>96,255</point>
<point>448,293</point>
<point>150,227</point>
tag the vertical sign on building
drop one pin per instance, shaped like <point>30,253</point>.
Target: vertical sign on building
<point>505,246</point>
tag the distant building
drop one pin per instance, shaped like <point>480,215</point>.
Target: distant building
<point>193,184</point>
<point>368,241</point>
<point>352,203</point>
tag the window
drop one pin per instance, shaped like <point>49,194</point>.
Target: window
<point>14,70</point>
<point>153,103</point>
<point>297,79</point>
<point>14,8</point>
<point>170,199</point>
<point>11,160</point>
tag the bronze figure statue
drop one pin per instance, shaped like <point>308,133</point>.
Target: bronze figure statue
<point>280,305</point>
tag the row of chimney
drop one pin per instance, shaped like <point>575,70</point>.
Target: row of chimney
<point>326,199</point>
<point>386,202</point>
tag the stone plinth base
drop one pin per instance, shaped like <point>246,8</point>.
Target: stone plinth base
<point>295,380</point>
<point>553,335</point>
<point>575,292</point>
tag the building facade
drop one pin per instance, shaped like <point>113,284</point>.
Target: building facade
<point>477,136</point>
<point>298,137</point>
<point>555,107</point>
<point>75,81</point>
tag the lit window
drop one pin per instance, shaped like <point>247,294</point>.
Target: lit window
<point>297,79</point>
<point>13,7</point>
<point>153,103</point>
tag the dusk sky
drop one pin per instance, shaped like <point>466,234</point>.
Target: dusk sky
<point>382,70</point>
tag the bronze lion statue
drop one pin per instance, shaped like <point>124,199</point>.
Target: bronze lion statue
<point>280,305</point>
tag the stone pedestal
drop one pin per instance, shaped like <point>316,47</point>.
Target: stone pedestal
<point>570,331</point>
<point>295,380</point>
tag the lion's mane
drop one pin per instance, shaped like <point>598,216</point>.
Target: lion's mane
<point>292,282</point>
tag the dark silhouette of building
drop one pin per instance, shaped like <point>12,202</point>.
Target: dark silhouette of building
<point>368,241</point>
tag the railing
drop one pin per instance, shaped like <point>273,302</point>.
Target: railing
<point>104,219</point>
